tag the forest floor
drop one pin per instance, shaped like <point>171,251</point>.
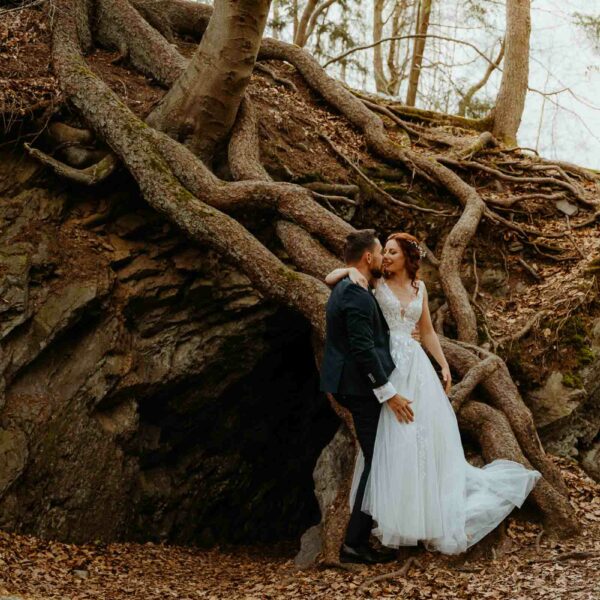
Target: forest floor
<point>527,566</point>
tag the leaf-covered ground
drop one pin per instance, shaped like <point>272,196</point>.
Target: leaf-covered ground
<point>525,566</point>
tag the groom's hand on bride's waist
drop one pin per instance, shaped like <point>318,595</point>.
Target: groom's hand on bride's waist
<point>401,407</point>
<point>416,334</point>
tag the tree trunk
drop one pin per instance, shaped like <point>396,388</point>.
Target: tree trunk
<point>384,84</point>
<point>276,18</point>
<point>466,100</point>
<point>295,19</point>
<point>513,87</point>
<point>200,109</point>
<point>301,36</point>
<point>396,73</point>
<point>322,9</point>
<point>378,72</point>
<point>418,51</point>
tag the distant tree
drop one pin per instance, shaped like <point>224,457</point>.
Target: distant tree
<point>467,103</point>
<point>421,29</point>
<point>510,101</point>
<point>388,84</point>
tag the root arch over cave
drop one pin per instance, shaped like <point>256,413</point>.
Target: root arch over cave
<point>284,235</point>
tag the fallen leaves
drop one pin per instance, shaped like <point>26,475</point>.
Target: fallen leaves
<point>533,568</point>
<point>26,83</point>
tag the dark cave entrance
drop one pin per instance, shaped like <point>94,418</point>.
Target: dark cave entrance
<point>238,469</point>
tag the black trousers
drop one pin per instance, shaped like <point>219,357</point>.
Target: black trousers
<point>365,413</point>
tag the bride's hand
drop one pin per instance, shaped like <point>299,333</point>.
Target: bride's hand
<point>357,277</point>
<point>447,379</point>
<point>401,408</point>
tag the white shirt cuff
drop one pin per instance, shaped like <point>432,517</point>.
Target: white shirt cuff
<point>385,392</point>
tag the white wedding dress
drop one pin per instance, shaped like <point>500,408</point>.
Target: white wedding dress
<point>420,486</point>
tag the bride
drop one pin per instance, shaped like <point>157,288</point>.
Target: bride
<point>420,486</point>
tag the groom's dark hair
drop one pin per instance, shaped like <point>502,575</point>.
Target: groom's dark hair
<point>357,243</point>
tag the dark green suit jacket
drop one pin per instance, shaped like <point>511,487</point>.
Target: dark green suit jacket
<point>357,348</point>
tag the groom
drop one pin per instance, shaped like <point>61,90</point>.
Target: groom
<point>355,369</point>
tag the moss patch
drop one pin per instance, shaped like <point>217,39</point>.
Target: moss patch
<point>572,380</point>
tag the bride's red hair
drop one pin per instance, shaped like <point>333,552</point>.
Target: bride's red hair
<point>409,245</point>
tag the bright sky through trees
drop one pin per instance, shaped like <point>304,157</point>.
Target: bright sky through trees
<point>564,59</point>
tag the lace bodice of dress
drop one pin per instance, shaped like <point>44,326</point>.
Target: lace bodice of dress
<point>400,319</point>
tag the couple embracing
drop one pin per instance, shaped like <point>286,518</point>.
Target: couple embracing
<point>411,479</point>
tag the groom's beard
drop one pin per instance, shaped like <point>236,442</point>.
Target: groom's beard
<point>376,273</point>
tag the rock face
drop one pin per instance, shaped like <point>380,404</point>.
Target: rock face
<point>567,418</point>
<point>146,390</point>
<point>335,459</point>
<point>554,400</point>
<point>569,422</point>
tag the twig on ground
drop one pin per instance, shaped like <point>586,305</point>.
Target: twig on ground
<point>572,239</point>
<point>530,269</point>
<point>522,229</point>
<point>508,202</point>
<point>538,539</point>
<point>399,573</point>
<point>523,331</point>
<point>337,189</point>
<point>335,199</point>
<point>476,276</point>
<point>275,77</point>
<point>587,222</point>
<point>395,118</point>
<point>91,175</point>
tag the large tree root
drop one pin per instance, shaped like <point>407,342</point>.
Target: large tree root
<point>119,26</point>
<point>473,377</point>
<point>503,394</point>
<point>378,142</point>
<point>92,175</point>
<point>509,431</point>
<point>495,435</point>
<point>136,146</point>
<point>183,16</point>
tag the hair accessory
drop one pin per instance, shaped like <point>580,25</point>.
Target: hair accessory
<point>421,250</point>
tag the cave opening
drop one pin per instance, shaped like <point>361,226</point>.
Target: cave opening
<point>238,468</point>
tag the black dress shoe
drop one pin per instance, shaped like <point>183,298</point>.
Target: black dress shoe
<point>365,555</point>
<point>385,551</point>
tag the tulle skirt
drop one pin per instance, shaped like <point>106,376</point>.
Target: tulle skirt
<point>420,486</point>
